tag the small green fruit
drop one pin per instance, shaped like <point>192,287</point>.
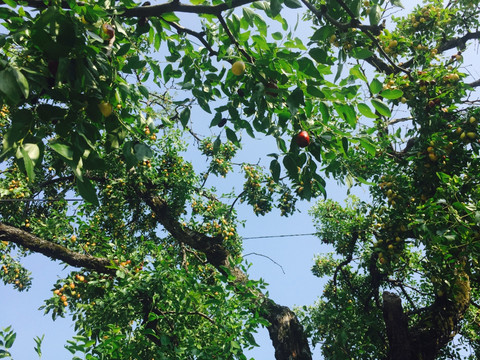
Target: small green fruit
<point>105,108</point>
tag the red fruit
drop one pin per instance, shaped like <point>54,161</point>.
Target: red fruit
<point>272,85</point>
<point>303,139</point>
<point>53,67</point>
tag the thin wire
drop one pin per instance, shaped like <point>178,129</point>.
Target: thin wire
<point>244,238</point>
<point>276,236</point>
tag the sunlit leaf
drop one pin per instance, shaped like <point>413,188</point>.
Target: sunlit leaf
<point>381,107</point>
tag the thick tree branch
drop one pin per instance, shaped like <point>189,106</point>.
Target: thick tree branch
<point>459,42</point>
<point>475,83</point>
<point>146,11</point>
<point>176,6</point>
<point>435,327</point>
<point>397,327</point>
<point>54,251</point>
<point>286,332</point>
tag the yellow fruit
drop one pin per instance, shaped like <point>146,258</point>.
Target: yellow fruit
<point>105,108</point>
<point>472,120</point>
<point>393,43</point>
<point>238,67</point>
<point>471,135</point>
<point>430,149</point>
<point>432,157</point>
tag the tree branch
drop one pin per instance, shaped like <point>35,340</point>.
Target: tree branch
<point>286,332</point>
<point>199,35</point>
<point>176,6</point>
<point>397,327</point>
<point>459,42</point>
<point>233,40</point>
<point>54,251</point>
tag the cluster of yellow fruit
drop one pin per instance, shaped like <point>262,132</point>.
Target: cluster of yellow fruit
<point>68,288</point>
<point>3,114</point>
<point>467,136</point>
<point>147,131</point>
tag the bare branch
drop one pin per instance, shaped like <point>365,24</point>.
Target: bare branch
<point>268,257</point>
<point>474,84</point>
<point>199,35</point>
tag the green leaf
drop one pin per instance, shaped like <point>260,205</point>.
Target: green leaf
<point>87,191</point>
<point>376,86</point>
<point>275,7</point>
<point>365,110</point>
<point>185,117</point>
<point>10,339</point>
<point>316,92</point>
<point>170,17</point>
<point>232,136</point>
<point>277,36</point>
<point>361,53</point>
<point>295,99</point>
<point>347,113</point>
<point>391,94</point>
<point>10,3</point>
<point>345,145</point>
<point>292,4</point>
<point>381,107</point>
<point>4,354</point>
<point>375,14</point>
<point>21,82</point>
<point>368,146</point>
<point>290,165</point>
<point>320,56</point>
<point>9,85</point>
<point>33,151</point>
<point>29,166</point>
<point>357,72</point>
<point>142,152</point>
<point>397,3</point>
<point>64,150</point>
<point>275,169</point>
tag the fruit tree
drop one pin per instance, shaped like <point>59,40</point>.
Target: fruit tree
<point>97,104</point>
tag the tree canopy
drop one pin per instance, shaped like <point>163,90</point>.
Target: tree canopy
<point>99,104</point>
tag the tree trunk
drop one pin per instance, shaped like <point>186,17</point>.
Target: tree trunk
<point>436,327</point>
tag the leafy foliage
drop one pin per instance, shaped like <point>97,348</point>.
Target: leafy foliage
<point>99,120</point>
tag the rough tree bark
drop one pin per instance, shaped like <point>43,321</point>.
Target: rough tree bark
<point>436,327</point>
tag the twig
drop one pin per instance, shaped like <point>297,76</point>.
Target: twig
<point>265,256</point>
<point>233,40</point>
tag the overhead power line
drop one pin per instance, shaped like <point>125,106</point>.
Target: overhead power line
<point>276,236</point>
